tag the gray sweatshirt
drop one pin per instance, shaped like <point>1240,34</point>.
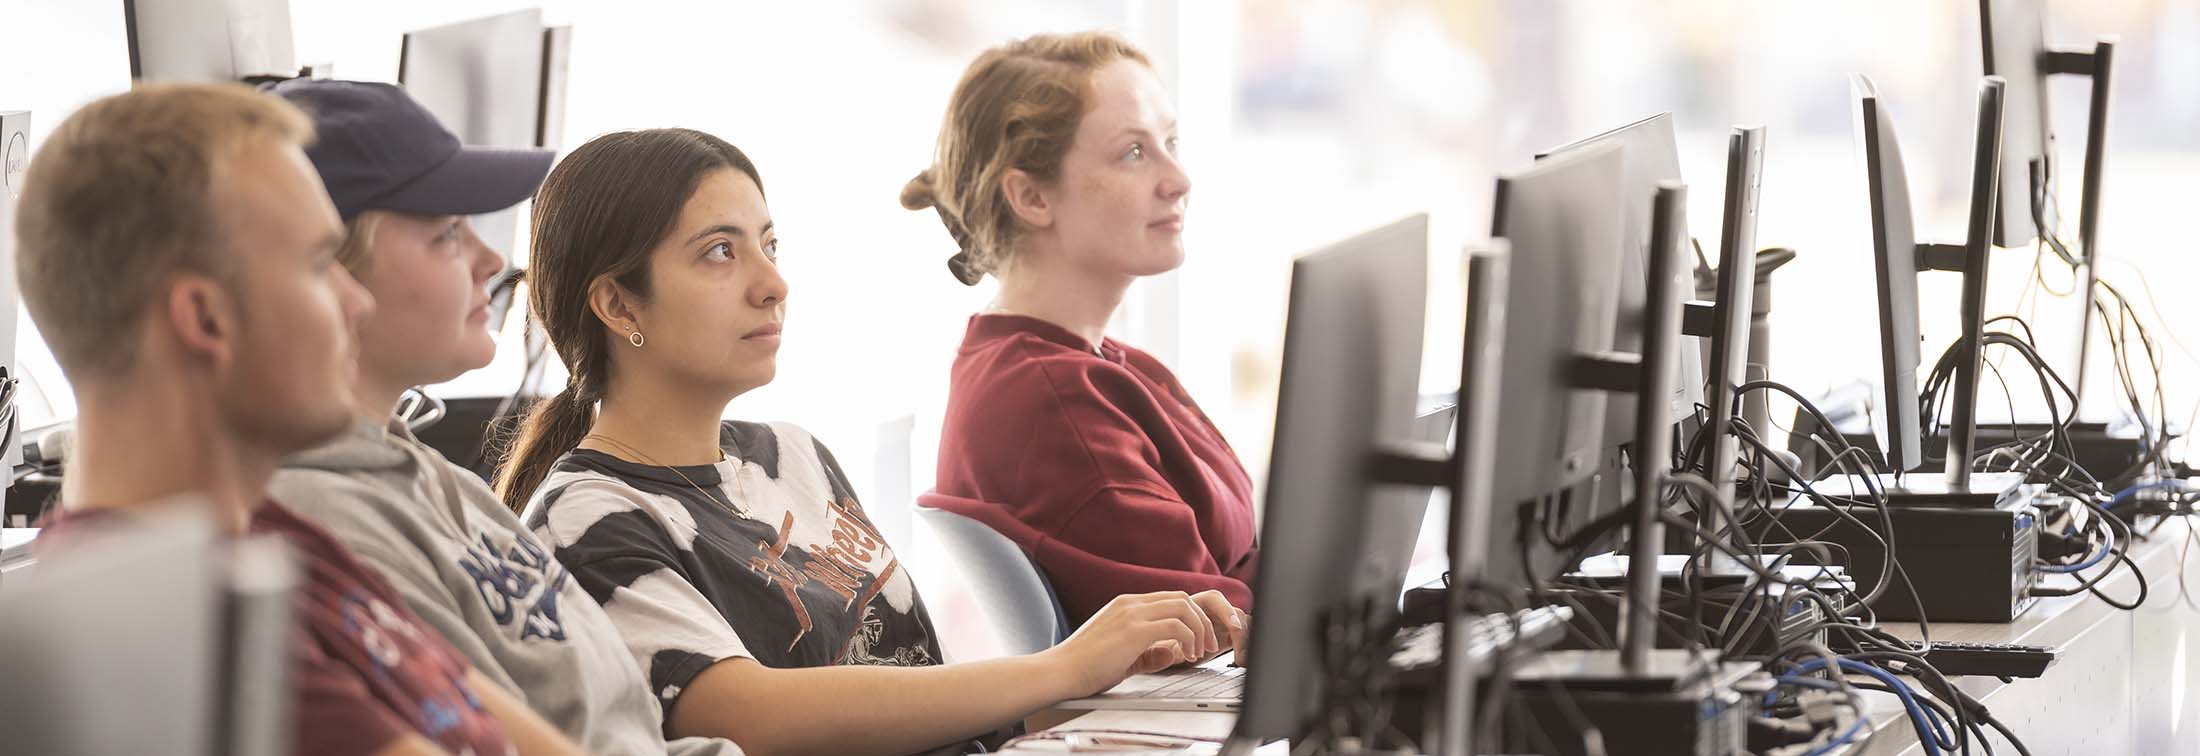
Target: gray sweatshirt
<point>466,566</point>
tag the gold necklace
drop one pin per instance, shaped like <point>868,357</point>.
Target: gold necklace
<point>740,489</point>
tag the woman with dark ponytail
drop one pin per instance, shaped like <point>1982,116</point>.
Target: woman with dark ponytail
<point>589,232</point>
<point>744,576</point>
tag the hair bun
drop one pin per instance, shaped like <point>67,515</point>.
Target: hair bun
<point>964,269</point>
<point>919,194</point>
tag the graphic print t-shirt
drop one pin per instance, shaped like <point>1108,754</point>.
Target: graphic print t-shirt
<point>765,555</point>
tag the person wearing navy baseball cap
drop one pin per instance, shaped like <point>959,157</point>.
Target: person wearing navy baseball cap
<point>378,149</point>
<point>404,186</point>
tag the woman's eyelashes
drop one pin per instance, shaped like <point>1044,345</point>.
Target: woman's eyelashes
<point>722,250</point>
<point>1137,150</point>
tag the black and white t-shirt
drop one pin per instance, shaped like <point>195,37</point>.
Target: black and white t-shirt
<point>765,555</point>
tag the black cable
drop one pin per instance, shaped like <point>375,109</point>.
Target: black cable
<point>1945,368</point>
<point>1889,564</point>
<point>2120,555</point>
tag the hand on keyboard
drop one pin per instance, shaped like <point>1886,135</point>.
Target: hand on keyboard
<point>1137,635</point>
<point>1231,625</point>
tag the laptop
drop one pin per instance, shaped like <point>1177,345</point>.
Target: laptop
<point>1219,683</point>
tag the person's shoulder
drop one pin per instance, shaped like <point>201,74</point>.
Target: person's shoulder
<point>384,527</point>
<point>1140,360</point>
<point>574,482</point>
<point>744,438</point>
<point>575,496</point>
<point>749,440</point>
<point>273,517</point>
<point>1041,374</point>
<point>1026,351</point>
<point>476,495</point>
<point>782,448</point>
<point>316,544</point>
<point>336,500</point>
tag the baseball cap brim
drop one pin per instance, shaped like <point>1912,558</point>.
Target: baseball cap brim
<point>473,181</point>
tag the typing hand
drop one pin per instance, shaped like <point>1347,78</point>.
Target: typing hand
<point>1231,624</point>
<point>1135,635</point>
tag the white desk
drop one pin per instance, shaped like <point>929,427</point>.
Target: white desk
<point>1207,725</point>
<point>15,548</point>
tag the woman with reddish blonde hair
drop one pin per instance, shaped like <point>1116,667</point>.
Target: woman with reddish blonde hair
<point>1057,173</point>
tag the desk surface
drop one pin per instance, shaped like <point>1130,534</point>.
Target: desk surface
<point>2082,626</point>
<point>1198,725</point>
<point>15,546</point>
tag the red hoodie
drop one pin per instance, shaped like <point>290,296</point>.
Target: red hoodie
<point>1097,464</point>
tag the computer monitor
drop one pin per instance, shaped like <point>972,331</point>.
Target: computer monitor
<point>1563,219</point>
<point>208,40</point>
<point>1351,370</point>
<point>1648,155</point>
<point>15,154</point>
<point>1405,516</point>
<point>2014,45</point>
<point>1899,258</point>
<point>2013,38</point>
<point>1745,159</point>
<point>1977,246</point>
<point>86,673</point>
<point>557,59</point>
<point>1894,252</point>
<point>495,82</point>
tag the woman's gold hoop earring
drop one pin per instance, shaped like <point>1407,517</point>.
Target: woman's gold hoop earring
<point>635,338</point>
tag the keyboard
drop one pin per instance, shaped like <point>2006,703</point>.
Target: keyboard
<point>1421,647</point>
<point>1420,650</point>
<point>1989,659</point>
<point>1213,680</point>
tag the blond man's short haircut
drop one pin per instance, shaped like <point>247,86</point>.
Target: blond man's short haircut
<point>118,200</point>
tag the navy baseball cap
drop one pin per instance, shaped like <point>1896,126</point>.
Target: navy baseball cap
<point>378,149</point>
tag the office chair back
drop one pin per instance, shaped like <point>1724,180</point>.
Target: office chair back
<point>1026,613</point>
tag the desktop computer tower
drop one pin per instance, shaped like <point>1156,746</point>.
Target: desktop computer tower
<point>1969,560</point>
<point>1685,704</point>
<point>1768,620</point>
<point>1705,713</point>
<point>2101,452</point>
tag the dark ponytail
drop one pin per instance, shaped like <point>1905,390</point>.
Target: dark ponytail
<point>598,215</point>
<point>553,426</point>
